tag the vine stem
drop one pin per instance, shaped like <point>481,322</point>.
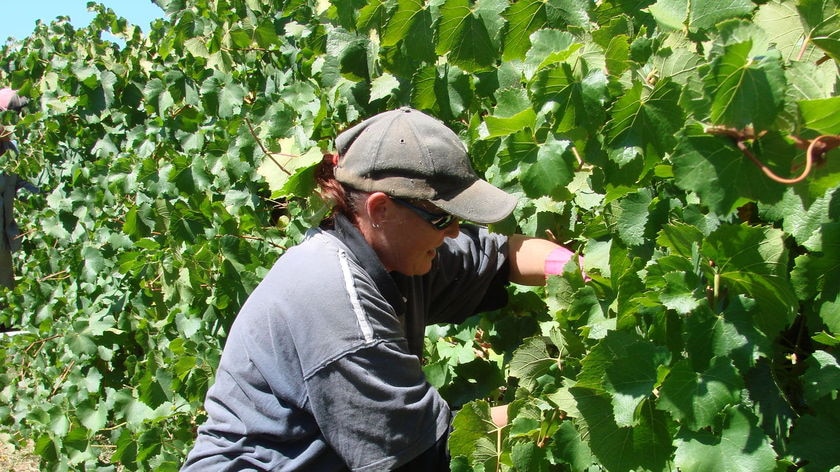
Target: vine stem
<point>61,379</point>
<point>253,238</point>
<point>60,275</point>
<point>40,343</point>
<point>262,146</point>
<point>716,287</point>
<point>499,449</point>
<point>803,48</point>
<point>115,427</point>
<point>815,150</point>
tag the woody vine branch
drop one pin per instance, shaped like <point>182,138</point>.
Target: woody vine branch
<point>815,150</point>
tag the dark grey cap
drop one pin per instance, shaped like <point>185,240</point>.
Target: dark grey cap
<point>408,154</point>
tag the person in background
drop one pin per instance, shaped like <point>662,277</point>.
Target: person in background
<point>10,183</point>
<point>10,100</point>
<point>322,367</point>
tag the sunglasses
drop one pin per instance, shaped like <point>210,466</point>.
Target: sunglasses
<point>439,221</point>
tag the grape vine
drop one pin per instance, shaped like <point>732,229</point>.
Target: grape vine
<point>687,149</point>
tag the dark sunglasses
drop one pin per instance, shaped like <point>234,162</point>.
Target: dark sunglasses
<point>439,221</point>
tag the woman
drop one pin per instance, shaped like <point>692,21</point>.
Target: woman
<point>321,370</point>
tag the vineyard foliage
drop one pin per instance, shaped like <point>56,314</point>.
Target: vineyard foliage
<point>688,149</point>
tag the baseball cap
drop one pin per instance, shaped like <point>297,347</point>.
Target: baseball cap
<point>408,154</point>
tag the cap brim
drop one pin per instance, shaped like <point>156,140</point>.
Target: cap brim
<point>481,202</point>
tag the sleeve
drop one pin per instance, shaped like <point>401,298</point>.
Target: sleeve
<point>471,276</point>
<point>433,459</point>
<point>376,410</point>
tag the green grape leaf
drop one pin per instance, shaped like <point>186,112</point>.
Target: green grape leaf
<point>821,115</point>
<point>731,335</point>
<point>400,22</point>
<point>427,88</point>
<point>751,249</point>
<point>198,46</point>
<point>741,447</point>
<point>375,13</point>
<point>745,91</point>
<point>802,219</point>
<point>830,315</point>
<point>678,63</point>
<point>569,12</point>
<point>696,399</point>
<point>134,411</point>
<point>505,125</point>
<point>526,420</point>
<point>630,379</point>
<point>644,121</point>
<point>781,21</point>
<point>465,37</point>
<point>816,276</point>
<point>633,217</point>
<point>645,446</point>
<point>531,361</point>
<point>558,84</point>
<point>698,14</point>
<point>822,18</point>
<point>720,174</point>
<point>567,444</point>
<point>528,456</point>
<point>523,18</point>
<point>93,416</point>
<point>612,348</point>
<point>681,238</point>
<point>383,86</point>
<point>813,439</point>
<point>681,292</point>
<point>473,435</point>
<point>822,379</point>
<point>265,34</point>
<point>753,261</point>
<point>126,450</point>
<point>806,81</point>
<point>594,366</point>
<point>550,172</point>
<point>549,48</point>
<point>617,55</point>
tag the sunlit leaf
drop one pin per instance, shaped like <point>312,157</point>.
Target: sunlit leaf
<point>821,115</point>
<point>698,14</point>
<point>739,438</point>
<point>465,37</point>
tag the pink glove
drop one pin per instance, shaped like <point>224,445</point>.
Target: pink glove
<point>558,258</point>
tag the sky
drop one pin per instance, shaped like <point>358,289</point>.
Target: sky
<point>17,17</point>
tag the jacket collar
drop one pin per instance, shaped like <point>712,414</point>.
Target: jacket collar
<point>348,234</point>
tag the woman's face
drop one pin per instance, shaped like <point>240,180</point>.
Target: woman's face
<point>404,241</point>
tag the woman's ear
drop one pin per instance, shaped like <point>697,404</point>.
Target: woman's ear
<point>377,208</point>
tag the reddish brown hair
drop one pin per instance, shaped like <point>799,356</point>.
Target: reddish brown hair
<point>342,198</point>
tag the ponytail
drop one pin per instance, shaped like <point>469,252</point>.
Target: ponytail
<point>341,198</point>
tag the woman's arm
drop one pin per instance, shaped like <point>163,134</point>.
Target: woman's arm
<point>531,259</point>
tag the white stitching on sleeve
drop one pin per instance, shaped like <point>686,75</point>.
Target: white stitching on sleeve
<point>364,324</point>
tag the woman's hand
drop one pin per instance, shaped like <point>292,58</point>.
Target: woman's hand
<point>499,415</point>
